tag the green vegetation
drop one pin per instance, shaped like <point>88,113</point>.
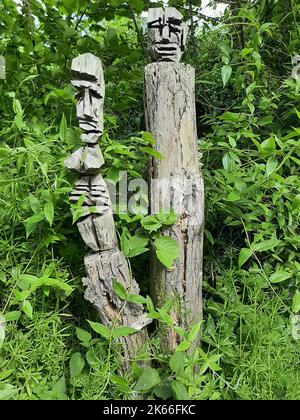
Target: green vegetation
<point>248,107</point>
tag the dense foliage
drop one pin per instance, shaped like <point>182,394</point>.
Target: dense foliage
<point>248,109</point>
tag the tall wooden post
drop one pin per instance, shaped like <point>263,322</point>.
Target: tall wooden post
<point>105,262</point>
<point>170,117</point>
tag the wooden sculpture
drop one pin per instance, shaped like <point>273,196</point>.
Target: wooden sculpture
<point>105,262</point>
<point>171,118</point>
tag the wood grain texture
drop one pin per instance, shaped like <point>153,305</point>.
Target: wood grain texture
<point>101,268</point>
<point>171,118</point>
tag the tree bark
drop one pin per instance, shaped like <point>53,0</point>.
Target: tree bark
<point>170,117</point>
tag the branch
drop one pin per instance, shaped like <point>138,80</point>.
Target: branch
<point>81,17</point>
<point>139,35</point>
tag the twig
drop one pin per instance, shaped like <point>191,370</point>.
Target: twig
<point>140,38</point>
<point>81,17</point>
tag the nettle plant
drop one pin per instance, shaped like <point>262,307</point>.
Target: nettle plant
<point>189,373</point>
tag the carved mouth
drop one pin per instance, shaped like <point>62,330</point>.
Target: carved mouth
<point>165,48</point>
<point>89,126</point>
<point>168,50</point>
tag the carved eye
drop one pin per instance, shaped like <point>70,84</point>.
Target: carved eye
<point>79,93</point>
<point>95,94</point>
<point>155,24</point>
<point>173,21</point>
<point>174,29</point>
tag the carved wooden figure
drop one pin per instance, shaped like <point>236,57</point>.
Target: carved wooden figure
<point>167,34</point>
<point>105,262</point>
<point>171,118</point>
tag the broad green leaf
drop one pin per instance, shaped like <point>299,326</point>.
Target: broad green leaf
<point>151,223</point>
<point>76,365</point>
<point>265,245</point>
<point>233,196</point>
<point>100,329</point>
<point>245,254</point>
<point>119,289</point>
<point>151,152</point>
<point>296,302</point>
<point>148,379</point>
<point>12,316</point>
<point>185,345</point>
<point>177,361</point>
<point>193,334</point>
<point>280,276</point>
<point>228,162</point>
<point>271,165</point>
<point>123,331</point>
<point>212,362</point>
<point>49,212</point>
<point>32,223</point>
<point>163,391</point>
<point>83,335</point>
<point>180,391</point>
<point>27,308</point>
<point>7,391</point>
<point>226,74</point>
<point>133,245</point>
<point>136,299</point>
<point>167,250</point>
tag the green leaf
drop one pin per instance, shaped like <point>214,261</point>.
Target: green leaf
<point>49,212</point>
<point>151,152</point>
<point>194,331</point>
<point>233,196</point>
<point>209,236</point>
<point>211,361</point>
<point>119,289</point>
<point>167,250</point>
<point>180,391</point>
<point>12,316</point>
<point>227,161</point>
<point>177,361</point>
<point>17,107</point>
<point>32,223</point>
<point>265,245</point>
<point>76,365</point>
<point>151,223</point>
<point>163,391</point>
<point>133,245</point>
<point>280,276</point>
<point>7,391</point>
<point>100,329</point>
<point>27,308</point>
<point>271,165</point>
<point>123,331</point>
<point>148,379</point>
<point>136,299</point>
<point>83,335</point>
<point>185,345</point>
<point>296,302</point>
<point>226,73</point>
<point>245,254</point>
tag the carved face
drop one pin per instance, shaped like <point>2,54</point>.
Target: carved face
<point>167,34</point>
<point>89,83</point>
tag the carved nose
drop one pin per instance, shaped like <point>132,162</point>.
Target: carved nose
<point>87,106</point>
<point>165,33</point>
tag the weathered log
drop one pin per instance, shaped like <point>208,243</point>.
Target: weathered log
<point>101,269</point>
<point>170,117</point>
